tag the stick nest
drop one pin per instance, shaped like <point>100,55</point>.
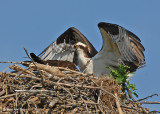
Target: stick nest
<point>41,88</point>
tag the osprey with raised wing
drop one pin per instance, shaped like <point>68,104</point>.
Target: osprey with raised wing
<point>120,46</point>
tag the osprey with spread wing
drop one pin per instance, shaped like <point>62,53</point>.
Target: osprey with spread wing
<point>120,46</point>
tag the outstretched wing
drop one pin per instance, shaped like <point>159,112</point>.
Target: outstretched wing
<point>63,47</point>
<point>128,44</point>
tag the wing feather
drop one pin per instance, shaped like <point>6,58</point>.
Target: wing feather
<point>63,47</point>
<point>132,50</point>
<point>128,44</point>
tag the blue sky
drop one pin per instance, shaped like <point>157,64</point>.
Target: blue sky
<point>34,24</point>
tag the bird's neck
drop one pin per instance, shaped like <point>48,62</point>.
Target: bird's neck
<point>83,61</point>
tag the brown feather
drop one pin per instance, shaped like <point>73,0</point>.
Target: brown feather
<point>60,63</point>
<point>128,43</point>
<point>90,47</point>
<point>57,63</point>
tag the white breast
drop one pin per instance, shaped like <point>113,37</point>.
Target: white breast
<point>105,58</point>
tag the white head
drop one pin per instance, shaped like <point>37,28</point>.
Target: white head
<point>81,48</point>
<point>82,55</point>
<point>80,44</point>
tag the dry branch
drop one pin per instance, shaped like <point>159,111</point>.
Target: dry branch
<point>118,104</point>
<point>50,69</point>
<point>18,68</point>
<point>147,97</point>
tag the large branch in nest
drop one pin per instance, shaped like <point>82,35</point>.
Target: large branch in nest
<point>50,69</point>
<point>18,68</point>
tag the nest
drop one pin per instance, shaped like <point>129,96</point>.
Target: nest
<point>44,89</point>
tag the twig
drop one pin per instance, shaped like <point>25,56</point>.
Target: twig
<point>16,100</point>
<point>130,108</point>
<point>99,98</point>
<point>130,94</point>
<point>100,93</point>
<point>108,92</point>
<point>101,109</point>
<point>89,87</point>
<point>32,77</point>
<point>147,97</point>
<point>89,102</point>
<point>118,105</point>
<point>84,103</point>
<point>6,96</point>
<point>33,91</point>
<point>25,62</point>
<point>152,112</point>
<point>149,102</point>
<point>53,102</point>
<point>5,69</point>
<point>74,111</point>
<point>80,86</point>
<point>18,68</point>
<point>62,68</point>
<point>50,69</point>
<point>65,90</point>
<point>2,92</point>
<point>34,63</point>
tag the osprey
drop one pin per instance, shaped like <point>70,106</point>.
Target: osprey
<point>120,46</point>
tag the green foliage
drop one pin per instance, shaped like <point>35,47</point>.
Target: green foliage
<point>120,75</point>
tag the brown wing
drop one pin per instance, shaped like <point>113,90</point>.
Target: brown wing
<point>57,63</point>
<point>61,63</point>
<point>128,44</point>
<point>63,47</point>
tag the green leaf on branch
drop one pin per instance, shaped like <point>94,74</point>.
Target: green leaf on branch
<point>121,76</point>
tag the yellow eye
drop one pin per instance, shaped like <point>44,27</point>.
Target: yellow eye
<point>76,46</point>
